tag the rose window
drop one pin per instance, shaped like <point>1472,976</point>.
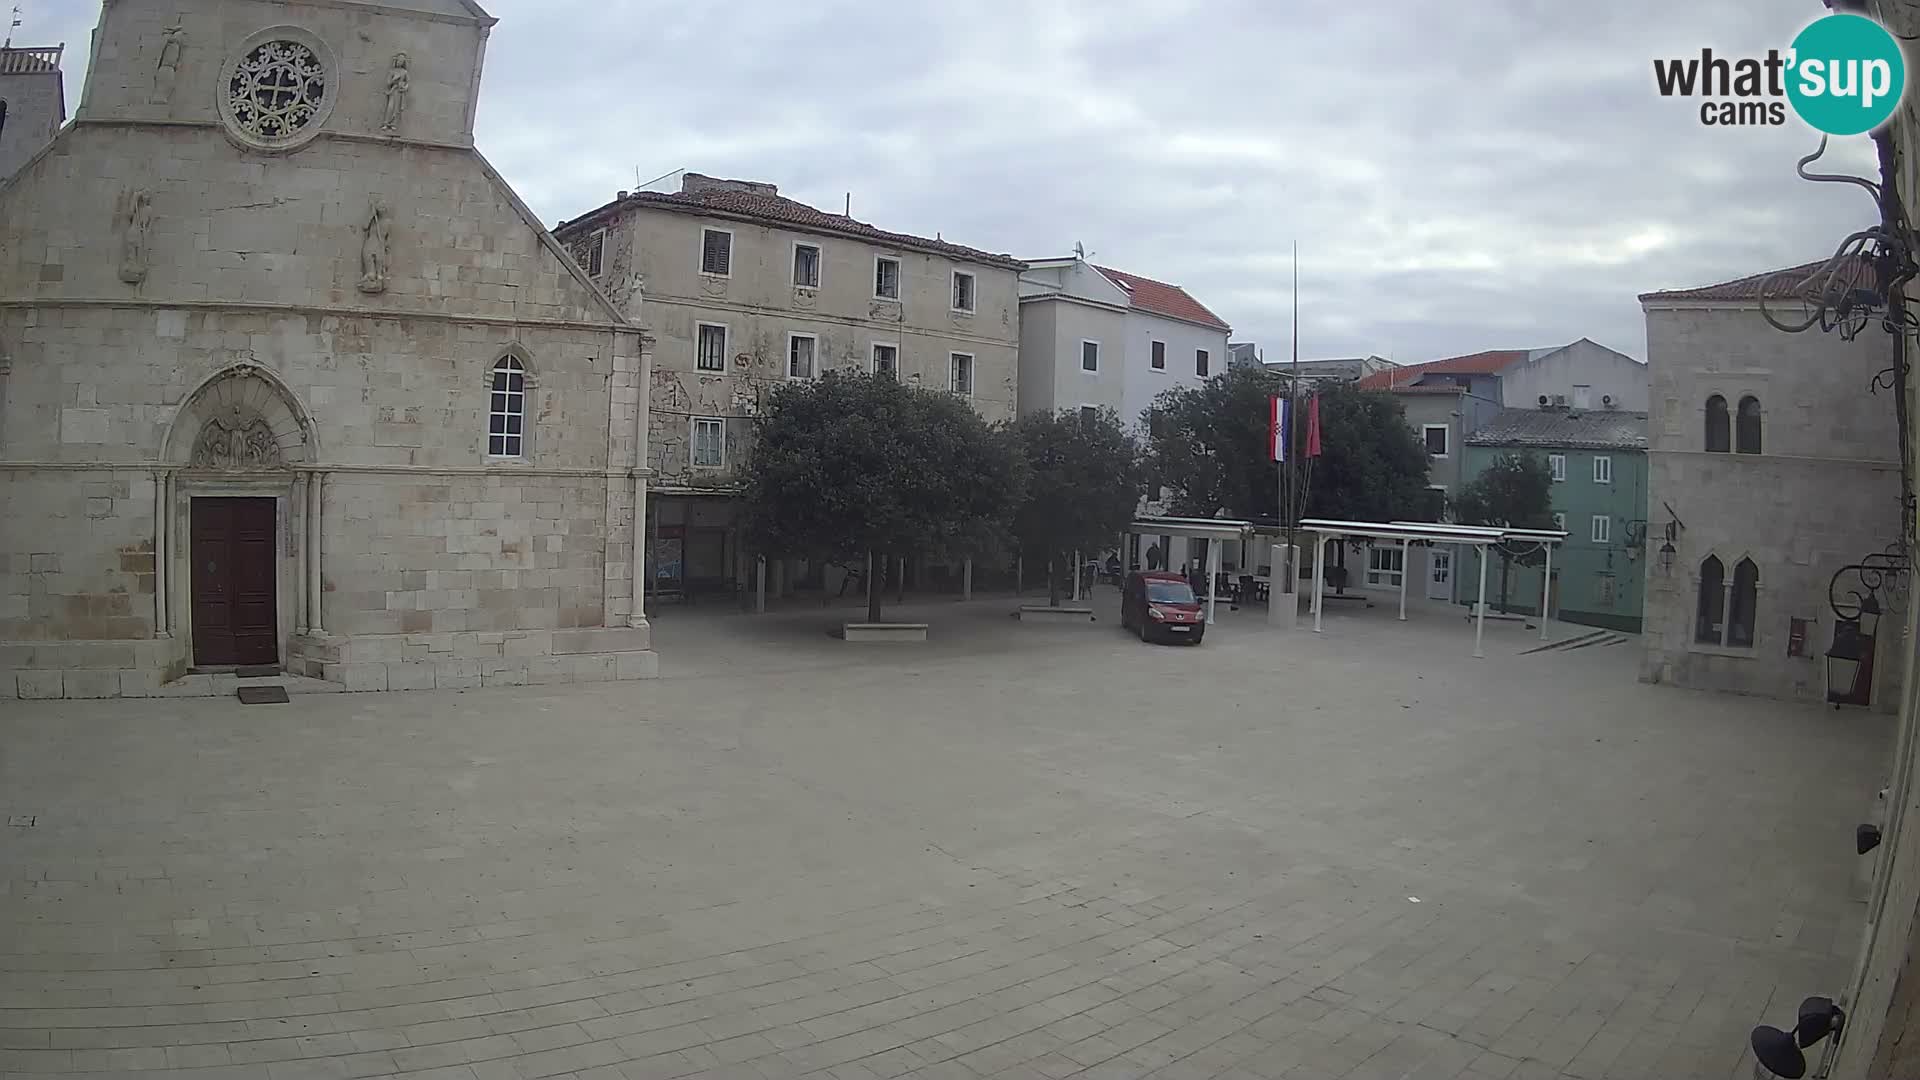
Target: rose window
<point>276,90</point>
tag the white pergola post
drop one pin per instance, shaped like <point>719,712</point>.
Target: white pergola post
<point>1480,609</point>
<point>1213,577</point>
<point>1319,575</point>
<point>1546,585</point>
<point>1405,565</point>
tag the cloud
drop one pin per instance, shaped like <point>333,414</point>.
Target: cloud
<point>1456,180</point>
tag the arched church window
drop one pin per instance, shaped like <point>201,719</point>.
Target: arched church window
<point>507,411</point>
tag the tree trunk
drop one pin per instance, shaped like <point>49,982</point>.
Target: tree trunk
<point>1506,567</point>
<point>873,587</point>
<point>900,579</point>
<point>1053,584</point>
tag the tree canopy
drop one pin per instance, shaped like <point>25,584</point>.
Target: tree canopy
<point>1207,445</point>
<point>852,464</point>
<point>1515,490</point>
<point>1083,483</point>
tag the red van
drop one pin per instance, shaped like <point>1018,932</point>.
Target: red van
<point>1160,606</point>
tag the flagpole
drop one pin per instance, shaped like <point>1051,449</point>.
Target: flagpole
<point>1289,513</point>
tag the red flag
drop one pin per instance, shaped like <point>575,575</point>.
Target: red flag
<point>1313,426</point>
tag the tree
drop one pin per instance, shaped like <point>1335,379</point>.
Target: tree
<point>1208,445</point>
<point>852,465</point>
<point>1083,483</point>
<point>1515,491</point>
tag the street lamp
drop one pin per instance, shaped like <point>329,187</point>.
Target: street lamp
<point>1845,657</point>
<point>1851,655</point>
<point>1666,558</point>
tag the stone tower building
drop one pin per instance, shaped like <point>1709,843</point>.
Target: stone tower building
<point>289,376</point>
<point>33,103</point>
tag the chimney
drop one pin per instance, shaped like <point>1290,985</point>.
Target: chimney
<point>694,183</point>
<point>622,196</point>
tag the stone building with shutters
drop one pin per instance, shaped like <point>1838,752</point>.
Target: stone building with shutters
<point>1772,465</point>
<point>746,290</point>
<point>289,376</point>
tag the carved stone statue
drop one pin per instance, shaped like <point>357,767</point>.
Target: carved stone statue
<point>167,72</point>
<point>236,440</point>
<point>373,248</point>
<point>136,222</point>
<point>397,83</point>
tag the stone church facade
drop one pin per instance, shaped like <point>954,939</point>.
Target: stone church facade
<point>289,376</point>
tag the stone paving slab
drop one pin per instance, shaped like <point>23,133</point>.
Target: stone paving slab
<point>1018,852</point>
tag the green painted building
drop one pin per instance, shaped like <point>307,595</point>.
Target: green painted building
<point>1599,463</point>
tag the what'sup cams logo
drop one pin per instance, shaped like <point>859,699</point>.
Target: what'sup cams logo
<point>1843,75</point>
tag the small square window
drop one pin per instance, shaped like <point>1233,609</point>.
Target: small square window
<point>1201,362</point>
<point>961,380</point>
<point>716,252</point>
<point>709,442</point>
<point>1159,360</point>
<point>1560,522</point>
<point>1798,630</point>
<point>886,278</point>
<point>806,266</point>
<point>710,348</point>
<point>800,356</point>
<point>1603,470</point>
<point>1436,439</point>
<point>962,291</point>
<point>1557,466</point>
<point>1602,529</point>
<point>591,253</point>
<point>1089,356</point>
<point>886,360</point>
<point>1089,417</point>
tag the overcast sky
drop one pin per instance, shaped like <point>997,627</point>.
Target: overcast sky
<point>1455,181</point>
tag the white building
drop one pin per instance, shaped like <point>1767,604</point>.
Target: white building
<point>1579,375</point>
<point>1095,336</point>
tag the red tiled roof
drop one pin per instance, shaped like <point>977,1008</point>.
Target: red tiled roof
<point>1749,287</point>
<point>779,209</point>
<point>1490,362</point>
<point>1164,299</point>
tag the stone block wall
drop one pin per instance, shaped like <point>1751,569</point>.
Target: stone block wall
<point>422,554</point>
<point>253,262</point>
<point>35,111</point>
<point>443,54</point>
<point>1799,521</point>
<point>76,555</point>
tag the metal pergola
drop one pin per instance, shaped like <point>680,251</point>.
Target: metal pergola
<point>1407,532</point>
<point>1212,529</point>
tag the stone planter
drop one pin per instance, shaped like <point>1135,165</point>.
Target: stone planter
<point>884,631</point>
<point>1045,614</point>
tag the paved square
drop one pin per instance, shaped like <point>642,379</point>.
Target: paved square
<point>1013,852</point>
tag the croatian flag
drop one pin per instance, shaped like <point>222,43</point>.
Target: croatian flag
<point>1277,428</point>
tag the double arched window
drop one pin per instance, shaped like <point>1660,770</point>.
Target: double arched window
<point>1733,432</point>
<point>507,410</point>
<point>1723,616</point>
